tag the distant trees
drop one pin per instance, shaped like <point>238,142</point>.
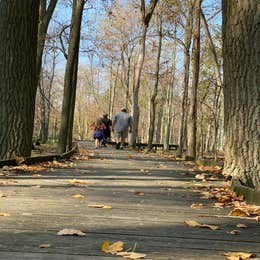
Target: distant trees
<point>18,81</point>
<point>241,51</point>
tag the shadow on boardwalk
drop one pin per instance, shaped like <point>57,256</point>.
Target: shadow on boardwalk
<point>41,205</point>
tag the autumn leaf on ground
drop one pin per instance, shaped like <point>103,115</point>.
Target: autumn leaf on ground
<point>75,181</point>
<point>3,214</point>
<point>19,160</point>
<point>239,213</point>
<point>241,226</point>
<point>100,206</point>
<point>131,255</point>
<point>44,246</point>
<point>2,195</point>
<point>197,206</point>
<point>78,196</point>
<point>193,223</point>
<point>112,248</point>
<point>200,176</point>
<point>36,175</point>
<point>239,255</point>
<point>70,232</point>
<point>234,232</point>
<point>139,193</point>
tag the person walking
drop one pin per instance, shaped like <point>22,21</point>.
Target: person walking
<point>122,122</point>
<point>98,135</point>
<point>107,132</point>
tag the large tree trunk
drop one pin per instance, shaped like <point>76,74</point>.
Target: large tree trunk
<point>155,88</point>
<point>241,49</point>
<point>185,85</point>
<point>68,96</point>
<point>18,48</point>
<point>146,17</point>
<point>192,122</point>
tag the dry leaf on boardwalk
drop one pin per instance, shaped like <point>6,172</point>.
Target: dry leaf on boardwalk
<point>193,223</point>
<point>239,213</point>
<point>3,214</point>
<point>100,206</point>
<point>200,176</point>
<point>241,226</point>
<point>78,196</point>
<point>36,175</point>
<point>239,255</point>
<point>75,181</point>
<point>131,255</point>
<point>139,193</point>
<point>234,232</point>
<point>70,232</point>
<point>197,206</point>
<point>112,248</point>
<point>44,246</point>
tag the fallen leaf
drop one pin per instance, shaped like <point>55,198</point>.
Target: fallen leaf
<point>197,206</point>
<point>112,248</point>
<point>44,246</point>
<point>36,175</point>
<point>2,195</point>
<point>78,196</point>
<point>75,181</point>
<point>238,255</point>
<point>239,213</point>
<point>200,176</point>
<point>241,226</point>
<point>3,214</point>
<point>131,255</point>
<point>100,206</point>
<point>139,193</point>
<point>19,160</point>
<point>234,232</point>
<point>193,223</point>
<point>70,232</point>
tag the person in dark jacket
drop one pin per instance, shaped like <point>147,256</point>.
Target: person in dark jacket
<point>107,132</point>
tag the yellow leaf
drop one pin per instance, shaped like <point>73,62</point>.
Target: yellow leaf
<point>112,248</point>
<point>238,212</point>
<point>44,246</point>
<point>197,206</point>
<point>192,223</point>
<point>200,176</point>
<point>75,181</point>
<point>239,255</point>
<point>107,207</point>
<point>77,196</point>
<point>19,160</point>
<point>70,232</point>
<point>131,255</point>
<point>36,175</point>
<point>3,214</point>
<point>100,206</point>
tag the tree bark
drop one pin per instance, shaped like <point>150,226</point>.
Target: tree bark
<point>18,48</point>
<point>146,17</point>
<point>192,122</point>
<point>68,95</point>
<point>185,85</point>
<point>155,88</point>
<point>241,51</point>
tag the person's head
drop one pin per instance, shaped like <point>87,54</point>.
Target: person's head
<point>99,122</point>
<point>105,115</point>
<point>123,109</point>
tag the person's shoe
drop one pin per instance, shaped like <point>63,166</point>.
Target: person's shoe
<point>117,146</point>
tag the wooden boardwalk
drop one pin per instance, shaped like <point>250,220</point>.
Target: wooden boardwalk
<point>150,199</point>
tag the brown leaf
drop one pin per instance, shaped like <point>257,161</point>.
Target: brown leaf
<point>238,212</point>
<point>238,255</point>
<point>197,206</point>
<point>234,232</point>
<point>100,206</point>
<point>44,246</point>
<point>3,214</point>
<point>241,226</point>
<point>131,255</point>
<point>139,193</point>
<point>70,232</point>
<point>19,160</point>
<point>78,196</point>
<point>200,176</point>
<point>75,181</point>
<point>36,175</point>
<point>193,223</point>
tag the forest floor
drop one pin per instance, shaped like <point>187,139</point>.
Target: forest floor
<point>111,195</point>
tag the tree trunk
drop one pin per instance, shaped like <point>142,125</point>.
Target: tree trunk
<point>18,49</point>
<point>185,85</point>
<point>241,49</point>
<point>67,103</point>
<point>146,17</point>
<point>155,88</point>
<point>192,122</point>
<point>159,125</point>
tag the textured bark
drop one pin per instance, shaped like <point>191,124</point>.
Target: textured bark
<point>185,85</point>
<point>68,95</point>
<point>241,51</point>
<point>18,46</point>
<point>146,17</point>
<point>155,87</point>
<point>192,122</point>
